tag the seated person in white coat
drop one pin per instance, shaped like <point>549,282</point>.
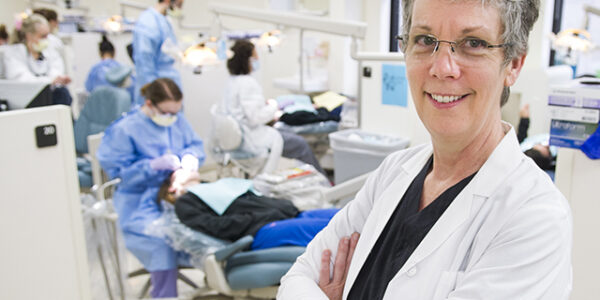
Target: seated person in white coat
<point>30,59</point>
<point>244,101</point>
<point>468,216</point>
<point>53,40</point>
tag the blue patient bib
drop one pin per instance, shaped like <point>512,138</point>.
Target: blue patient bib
<point>220,194</point>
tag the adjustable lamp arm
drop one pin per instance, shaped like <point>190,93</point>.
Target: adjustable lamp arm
<point>589,10</point>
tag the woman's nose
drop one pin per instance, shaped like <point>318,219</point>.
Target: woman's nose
<point>443,62</point>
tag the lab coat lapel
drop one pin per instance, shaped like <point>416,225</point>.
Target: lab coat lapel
<point>383,210</point>
<point>500,163</point>
<point>456,214</point>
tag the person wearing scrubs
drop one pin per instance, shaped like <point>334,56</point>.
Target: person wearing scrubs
<point>97,75</point>
<point>245,102</point>
<point>152,34</point>
<point>468,215</point>
<point>143,149</point>
<point>31,60</point>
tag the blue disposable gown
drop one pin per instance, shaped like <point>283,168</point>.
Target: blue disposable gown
<point>97,75</point>
<point>127,147</point>
<point>151,31</point>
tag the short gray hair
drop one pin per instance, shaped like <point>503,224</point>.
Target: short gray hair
<point>517,17</point>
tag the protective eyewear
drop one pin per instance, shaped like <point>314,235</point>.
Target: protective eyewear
<point>164,113</point>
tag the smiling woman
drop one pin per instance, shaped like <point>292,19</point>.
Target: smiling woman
<point>468,216</point>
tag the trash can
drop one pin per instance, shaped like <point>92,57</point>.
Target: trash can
<point>356,152</point>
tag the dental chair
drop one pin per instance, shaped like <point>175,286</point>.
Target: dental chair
<point>226,146</point>
<point>103,106</point>
<point>233,270</point>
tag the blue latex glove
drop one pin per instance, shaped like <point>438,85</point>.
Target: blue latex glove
<point>591,147</point>
<point>167,161</point>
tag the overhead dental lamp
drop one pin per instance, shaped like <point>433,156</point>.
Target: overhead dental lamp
<point>200,55</point>
<point>113,24</point>
<point>270,39</point>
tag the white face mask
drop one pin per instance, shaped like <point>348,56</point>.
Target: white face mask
<point>255,64</point>
<point>40,46</point>
<point>165,120</point>
<point>174,12</point>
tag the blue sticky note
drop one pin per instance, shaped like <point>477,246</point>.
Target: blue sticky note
<point>394,86</point>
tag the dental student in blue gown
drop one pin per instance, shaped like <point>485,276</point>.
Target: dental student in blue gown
<point>143,149</point>
<point>152,36</point>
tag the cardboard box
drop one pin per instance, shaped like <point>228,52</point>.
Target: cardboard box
<point>574,113</point>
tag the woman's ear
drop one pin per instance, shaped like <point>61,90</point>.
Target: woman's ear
<point>513,70</point>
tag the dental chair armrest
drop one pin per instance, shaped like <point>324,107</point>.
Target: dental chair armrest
<point>233,248</point>
<point>342,193</point>
<point>99,190</point>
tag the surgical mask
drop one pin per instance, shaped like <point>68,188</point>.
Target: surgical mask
<point>255,64</point>
<point>174,12</point>
<point>165,120</point>
<point>40,46</point>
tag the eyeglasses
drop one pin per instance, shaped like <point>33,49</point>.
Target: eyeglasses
<point>162,112</point>
<point>423,45</point>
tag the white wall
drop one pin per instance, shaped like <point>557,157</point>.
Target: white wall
<point>7,13</point>
<point>388,119</point>
<point>576,178</point>
<point>375,116</point>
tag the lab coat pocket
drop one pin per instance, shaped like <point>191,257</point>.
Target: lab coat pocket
<point>446,284</point>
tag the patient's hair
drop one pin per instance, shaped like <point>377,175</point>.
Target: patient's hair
<point>544,162</point>
<point>106,46</point>
<point>164,194</point>
<point>161,89</point>
<point>239,64</point>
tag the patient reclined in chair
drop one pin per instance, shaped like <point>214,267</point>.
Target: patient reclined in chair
<point>228,209</point>
<point>273,223</point>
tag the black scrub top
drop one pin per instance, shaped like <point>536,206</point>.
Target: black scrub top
<point>403,232</point>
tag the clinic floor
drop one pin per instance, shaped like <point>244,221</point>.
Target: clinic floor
<point>108,287</point>
<point>133,286</point>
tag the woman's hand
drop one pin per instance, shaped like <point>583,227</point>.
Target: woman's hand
<point>61,80</point>
<point>334,287</point>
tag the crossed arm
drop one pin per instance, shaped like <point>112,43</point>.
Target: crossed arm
<point>333,286</point>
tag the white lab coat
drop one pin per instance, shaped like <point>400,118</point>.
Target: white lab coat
<point>507,235</point>
<point>244,101</point>
<point>19,65</point>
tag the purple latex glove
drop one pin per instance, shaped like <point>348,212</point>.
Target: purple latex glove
<point>166,162</point>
